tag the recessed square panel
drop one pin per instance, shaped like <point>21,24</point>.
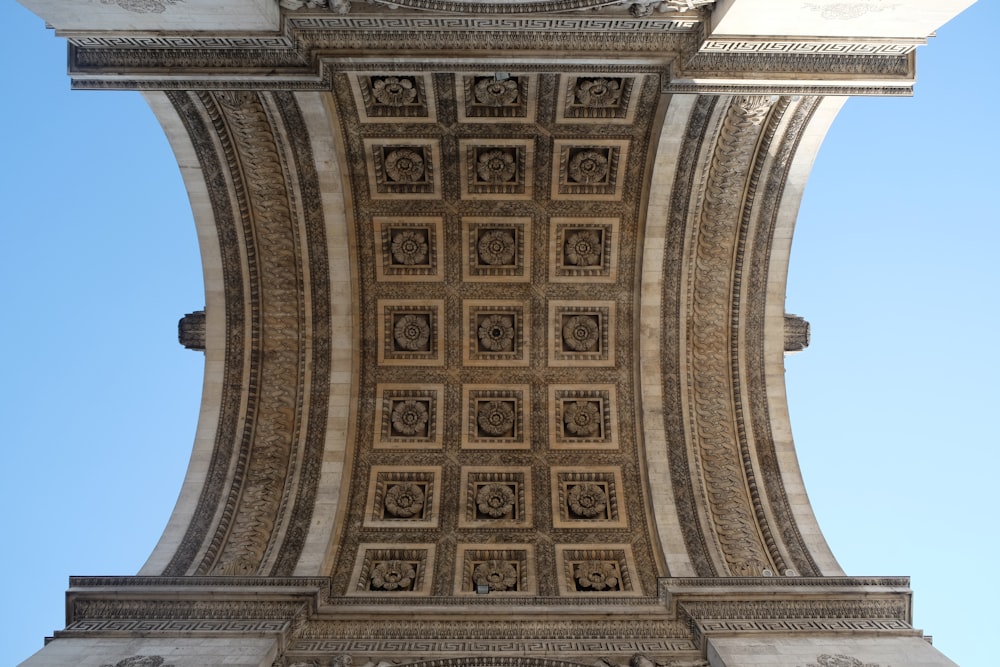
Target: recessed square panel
<point>410,332</point>
<point>582,417</point>
<point>495,248</point>
<point>496,417</point>
<point>497,97</point>
<point>582,333</point>
<point>596,570</point>
<point>385,97</point>
<point>496,168</point>
<point>499,570</point>
<point>403,168</point>
<point>403,497</point>
<point>495,333</point>
<point>403,570</point>
<point>593,170</point>
<point>409,416</point>
<point>496,497</point>
<point>587,496</point>
<point>598,98</point>
<point>583,250</point>
<point>408,248</point>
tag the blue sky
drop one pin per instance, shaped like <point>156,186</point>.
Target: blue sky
<point>894,263</point>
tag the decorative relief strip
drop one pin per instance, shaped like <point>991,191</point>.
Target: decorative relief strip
<point>228,222</point>
<point>239,548</point>
<point>493,647</point>
<point>806,48</point>
<point>337,23</point>
<point>716,441</point>
<point>173,627</point>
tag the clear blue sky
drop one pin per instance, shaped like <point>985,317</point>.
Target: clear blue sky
<point>895,263</point>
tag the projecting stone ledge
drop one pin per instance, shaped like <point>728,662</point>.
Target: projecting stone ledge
<point>191,331</point>
<point>796,333</point>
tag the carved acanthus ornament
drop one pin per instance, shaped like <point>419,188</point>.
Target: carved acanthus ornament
<point>710,375</point>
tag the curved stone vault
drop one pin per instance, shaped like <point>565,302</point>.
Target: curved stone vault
<point>494,334</point>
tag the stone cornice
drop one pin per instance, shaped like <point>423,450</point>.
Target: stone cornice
<point>299,613</point>
<point>298,57</point>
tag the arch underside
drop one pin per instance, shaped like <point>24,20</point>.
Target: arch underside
<point>495,347</point>
<point>670,305</point>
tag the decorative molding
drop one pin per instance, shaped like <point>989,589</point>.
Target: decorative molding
<point>265,203</point>
<point>817,47</point>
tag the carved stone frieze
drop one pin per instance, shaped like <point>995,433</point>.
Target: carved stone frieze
<point>249,154</point>
<point>733,520</point>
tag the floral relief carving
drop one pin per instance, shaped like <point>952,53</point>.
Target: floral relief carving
<point>598,92</point>
<point>496,500</point>
<point>583,248</point>
<point>497,247</point>
<point>496,333</point>
<point>393,91</point>
<point>597,575</point>
<point>409,247</point>
<point>404,165</point>
<point>845,11</point>
<point>582,418</point>
<point>499,575</point>
<point>410,417</point>
<point>587,500</point>
<point>581,333</point>
<point>404,500</point>
<point>495,92</point>
<point>142,6</point>
<point>839,660</point>
<point>496,166</point>
<point>393,575</point>
<point>496,418</point>
<point>140,661</point>
<point>412,332</point>
<point>588,166</point>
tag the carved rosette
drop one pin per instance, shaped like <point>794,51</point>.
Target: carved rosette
<point>583,248</point>
<point>496,417</point>
<point>393,91</point>
<point>598,92</point>
<point>496,333</point>
<point>404,500</point>
<point>404,166</point>
<point>498,575</point>
<point>496,500</point>
<point>409,417</point>
<point>412,332</point>
<point>497,247</point>
<point>409,247</point>
<point>496,93</point>
<point>597,575</point>
<point>587,500</point>
<point>496,166</point>
<point>393,575</point>
<point>581,333</point>
<point>588,167</point>
<point>582,418</point>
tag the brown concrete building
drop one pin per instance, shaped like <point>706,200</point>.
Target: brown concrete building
<point>494,332</point>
